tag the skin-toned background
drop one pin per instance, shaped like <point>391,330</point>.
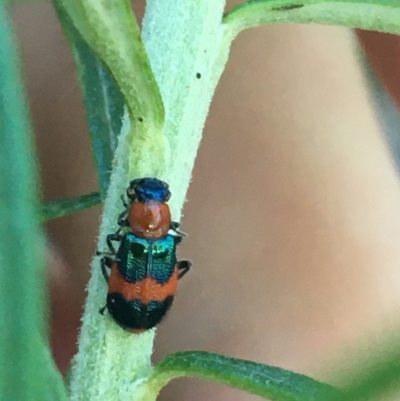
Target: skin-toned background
<point>293,213</point>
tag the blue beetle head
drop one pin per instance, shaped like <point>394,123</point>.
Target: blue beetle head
<point>148,189</point>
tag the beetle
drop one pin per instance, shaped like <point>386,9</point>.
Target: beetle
<point>144,269</point>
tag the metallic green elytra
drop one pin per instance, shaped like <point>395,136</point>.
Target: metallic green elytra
<point>143,258</point>
<point>143,280</point>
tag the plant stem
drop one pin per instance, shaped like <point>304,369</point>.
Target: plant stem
<point>109,359</point>
<point>181,39</point>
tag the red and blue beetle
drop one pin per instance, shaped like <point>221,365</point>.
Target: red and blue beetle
<point>144,269</point>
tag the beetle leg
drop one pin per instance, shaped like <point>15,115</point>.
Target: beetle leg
<point>175,227</point>
<point>123,219</point>
<point>99,253</point>
<point>103,309</point>
<point>183,267</point>
<point>178,239</point>
<point>124,202</point>
<point>113,237</point>
<point>104,263</point>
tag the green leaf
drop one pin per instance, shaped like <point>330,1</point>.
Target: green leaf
<point>376,15</point>
<point>25,367</point>
<point>266,381</point>
<point>103,100</point>
<point>63,207</point>
<point>111,30</point>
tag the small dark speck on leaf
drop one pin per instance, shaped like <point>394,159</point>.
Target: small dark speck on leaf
<point>198,75</point>
<point>287,8</point>
<point>140,119</point>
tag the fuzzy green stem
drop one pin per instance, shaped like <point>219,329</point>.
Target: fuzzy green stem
<point>181,39</point>
<point>109,359</point>
<point>188,51</point>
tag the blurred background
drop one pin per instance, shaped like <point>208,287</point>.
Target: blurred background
<point>293,214</point>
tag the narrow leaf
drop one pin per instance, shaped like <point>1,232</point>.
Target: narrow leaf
<point>266,381</point>
<point>26,372</point>
<point>111,30</point>
<point>376,15</point>
<point>103,100</point>
<point>63,207</point>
